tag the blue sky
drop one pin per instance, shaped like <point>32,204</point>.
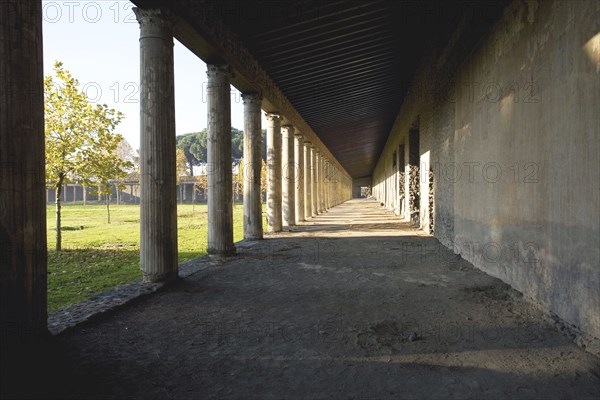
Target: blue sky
<point>98,42</point>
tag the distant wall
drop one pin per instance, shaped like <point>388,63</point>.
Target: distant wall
<point>358,183</point>
<point>130,194</point>
<point>509,153</point>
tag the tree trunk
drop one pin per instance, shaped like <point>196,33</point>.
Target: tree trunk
<point>118,195</point>
<point>59,189</point>
<point>108,208</point>
<point>191,168</point>
<point>84,195</point>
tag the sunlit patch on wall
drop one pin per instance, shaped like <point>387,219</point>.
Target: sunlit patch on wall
<point>592,49</point>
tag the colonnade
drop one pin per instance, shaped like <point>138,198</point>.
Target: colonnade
<point>302,182</point>
<point>303,185</point>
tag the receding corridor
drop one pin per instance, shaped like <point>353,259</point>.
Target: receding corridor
<point>353,304</point>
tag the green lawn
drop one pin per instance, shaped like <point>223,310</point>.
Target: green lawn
<point>101,256</point>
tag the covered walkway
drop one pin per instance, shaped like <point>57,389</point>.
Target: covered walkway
<point>353,304</point>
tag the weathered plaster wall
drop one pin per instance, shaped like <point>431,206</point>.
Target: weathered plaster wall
<point>511,133</point>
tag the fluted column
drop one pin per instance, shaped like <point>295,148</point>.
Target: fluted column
<point>321,184</point>
<point>299,176</point>
<point>218,151</point>
<point>288,189</point>
<point>274,223</point>
<point>329,185</point>
<point>253,229</point>
<point>326,174</point>
<point>307,180</point>
<point>23,260</point>
<point>316,183</point>
<point>158,199</point>
<point>337,187</point>
<point>313,186</point>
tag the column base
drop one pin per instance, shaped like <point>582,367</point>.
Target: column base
<point>252,238</point>
<point>214,253</point>
<point>166,277</point>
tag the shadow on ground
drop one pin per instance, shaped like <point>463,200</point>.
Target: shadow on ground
<point>365,307</point>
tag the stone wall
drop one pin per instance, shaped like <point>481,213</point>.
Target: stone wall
<point>509,146</point>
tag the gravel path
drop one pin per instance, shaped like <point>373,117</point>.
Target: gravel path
<point>355,304</point>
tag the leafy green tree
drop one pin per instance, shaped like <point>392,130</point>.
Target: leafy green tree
<point>237,143</point>
<point>238,180</point>
<point>193,146</point>
<point>76,132</point>
<point>107,167</point>
<point>180,163</point>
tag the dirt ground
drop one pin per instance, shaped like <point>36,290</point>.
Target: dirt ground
<point>355,304</point>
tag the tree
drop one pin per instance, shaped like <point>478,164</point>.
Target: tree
<point>201,185</point>
<point>131,161</point>
<point>263,179</point>
<point>75,132</point>
<point>126,153</point>
<point>238,180</point>
<point>180,162</point>
<point>107,167</point>
<point>181,171</point>
<point>193,146</point>
<point>237,143</point>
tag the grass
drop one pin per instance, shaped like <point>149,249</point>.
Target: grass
<point>98,256</point>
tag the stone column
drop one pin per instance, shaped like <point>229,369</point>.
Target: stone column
<point>333,186</point>
<point>288,189</point>
<point>321,184</point>
<point>316,185</point>
<point>326,176</point>
<point>23,260</point>
<point>307,180</point>
<point>158,177</point>
<point>274,223</point>
<point>299,176</point>
<point>330,178</point>
<point>337,187</point>
<point>253,229</point>
<point>218,151</point>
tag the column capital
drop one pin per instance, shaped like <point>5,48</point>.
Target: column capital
<point>273,116</point>
<point>159,21</point>
<point>218,71</point>
<point>288,129</point>
<point>252,98</point>
<point>298,134</point>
